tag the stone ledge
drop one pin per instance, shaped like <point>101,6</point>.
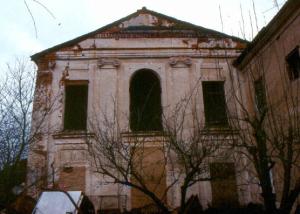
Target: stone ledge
<point>72,134</point>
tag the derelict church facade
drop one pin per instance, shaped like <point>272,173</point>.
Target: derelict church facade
<point>110,73</point>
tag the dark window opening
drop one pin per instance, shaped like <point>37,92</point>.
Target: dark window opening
<point>145,102</point>
<point>260,95</point>
<point>75,115</point>
<point>223,185</point>
<point>293,61</point>
<point>214,103</point>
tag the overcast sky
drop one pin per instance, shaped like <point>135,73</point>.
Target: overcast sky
<point>71,18</point>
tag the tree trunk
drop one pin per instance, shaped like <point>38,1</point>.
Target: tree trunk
<point>264,169</point>
<point>182,200</point>
<point>287,205</point>
<point>160,205</point>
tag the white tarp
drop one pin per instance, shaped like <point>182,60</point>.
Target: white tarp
<point>57,202</point>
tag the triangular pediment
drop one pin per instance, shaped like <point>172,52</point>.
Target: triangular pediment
<point>143,23</point>
<point>150,23</point>
<point>146,18</point>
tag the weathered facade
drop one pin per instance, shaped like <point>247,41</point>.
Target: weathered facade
<point>104,74</point>
<point>270,68</point>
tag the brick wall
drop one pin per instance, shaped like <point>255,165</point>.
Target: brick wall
<point>72,179</point>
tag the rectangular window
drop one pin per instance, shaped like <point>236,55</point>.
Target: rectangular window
<point>293,61</point>
<point>260,95</point>
<point>223,184</point>
<point>214,103</point>
<point>75,115</point>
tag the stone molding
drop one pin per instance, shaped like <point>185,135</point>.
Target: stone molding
<point>179,62</point>
<point>108,63</point>
<point>72,135</point>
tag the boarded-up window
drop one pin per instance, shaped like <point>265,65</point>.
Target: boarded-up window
<point>293,61</point>
<point>260,95</point>
<point>214,103</point>
<point>75,115</point>
<point>223,185</point>
<point>149,163</point>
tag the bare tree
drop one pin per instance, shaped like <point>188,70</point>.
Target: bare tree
<point>268,128</point>
<point>124,157</point>
<point>16,106</point>
<point>120,158</point>
<point>17,132</point>
<point>191,150</point>
<point>33,19</point>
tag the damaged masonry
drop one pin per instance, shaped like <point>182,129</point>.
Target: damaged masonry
<point>128,99</point>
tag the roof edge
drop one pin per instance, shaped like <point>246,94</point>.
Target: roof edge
<point>36,56</point>
<point>267,32</point>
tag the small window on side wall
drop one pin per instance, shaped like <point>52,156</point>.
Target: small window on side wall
<point>293,62</point>
<point>214,103</point>
<point>76,98</point>
<point>260,95</point>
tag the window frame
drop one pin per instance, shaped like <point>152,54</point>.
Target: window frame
<point>260,99</point>
<point>145,77</point>
<point>75,83</point>
<point>293,63</point>
<point>224,121</point>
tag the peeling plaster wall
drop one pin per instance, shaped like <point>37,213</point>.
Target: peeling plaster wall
<point>108,64</point>
<point>269,62</point>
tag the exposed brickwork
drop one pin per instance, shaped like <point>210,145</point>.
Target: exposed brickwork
<point>72,179</point>
<point>43,62</point>
<point>43,78</point>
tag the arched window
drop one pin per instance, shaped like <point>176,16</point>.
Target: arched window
<point>145,101</point>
